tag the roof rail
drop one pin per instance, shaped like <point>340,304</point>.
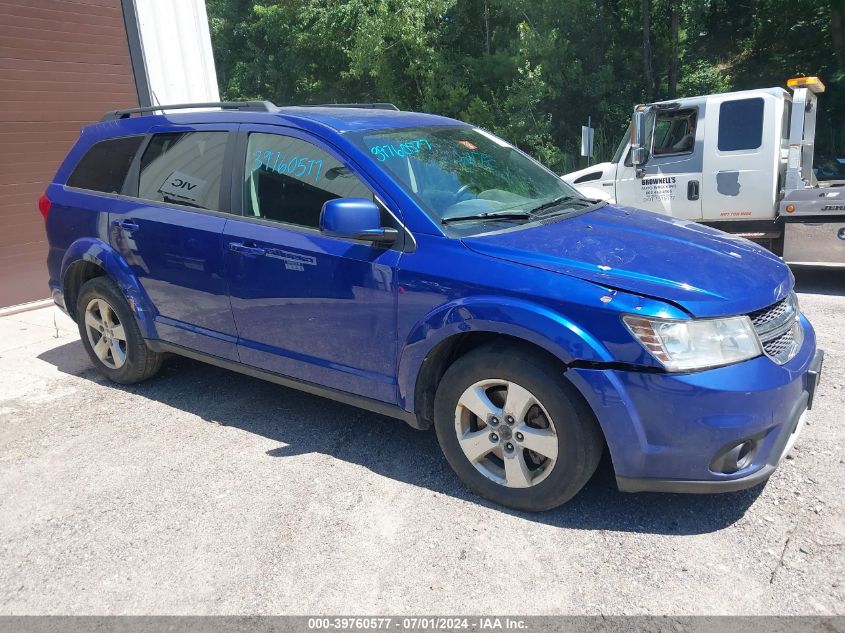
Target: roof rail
<point>369,106</point>
<point>255,106</point>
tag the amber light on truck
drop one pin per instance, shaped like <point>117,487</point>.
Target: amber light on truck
<point>813,83</point>
<point>696,343</point>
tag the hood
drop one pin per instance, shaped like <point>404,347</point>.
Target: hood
<point>703,270</point>
<point>592,187</point>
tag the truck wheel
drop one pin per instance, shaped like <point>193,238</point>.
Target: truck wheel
<point>514,430</point>
<point>110,334</point>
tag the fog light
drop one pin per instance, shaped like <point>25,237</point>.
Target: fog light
<point>743,457</point>
<point>735,458</point>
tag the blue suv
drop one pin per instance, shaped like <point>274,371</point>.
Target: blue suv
<point>425,269</point>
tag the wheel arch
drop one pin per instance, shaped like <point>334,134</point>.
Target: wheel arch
<point>88,258</point>
<point>74,277</point>
<point>458,328</point>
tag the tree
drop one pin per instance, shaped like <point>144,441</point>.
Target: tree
<point>648,69</point>
<point>674,62</point>
<point>530,70</point>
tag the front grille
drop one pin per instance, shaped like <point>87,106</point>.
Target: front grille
<point>763,319</point>
<point>781,345</point>
<point>779,329</point>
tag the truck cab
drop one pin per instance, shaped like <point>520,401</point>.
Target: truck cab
<point>738,161</point>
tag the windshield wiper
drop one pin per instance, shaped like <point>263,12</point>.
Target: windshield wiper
<point>575,200</point>
<point>522,215</point>
<point>496,215</point>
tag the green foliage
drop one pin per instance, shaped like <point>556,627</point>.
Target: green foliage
<point>531,71</point>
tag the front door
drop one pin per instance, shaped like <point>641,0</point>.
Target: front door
<point>169,228</point>
<point>306,305</point>
<point>671,182</point>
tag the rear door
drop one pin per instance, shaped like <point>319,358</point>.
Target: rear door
<point>168,226</point>
<point>671,182</point>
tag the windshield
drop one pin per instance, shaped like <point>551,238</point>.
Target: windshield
<point>466,178</point>
<point>617,156</point>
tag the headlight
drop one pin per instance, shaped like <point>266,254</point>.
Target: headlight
<point>697,343</point>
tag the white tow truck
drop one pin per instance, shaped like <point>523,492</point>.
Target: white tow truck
<point>739,161</point>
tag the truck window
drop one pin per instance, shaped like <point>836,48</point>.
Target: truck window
<point>617,156</point>
<point>740,124</point>
<point>674,132</point>
<point>787,116</point>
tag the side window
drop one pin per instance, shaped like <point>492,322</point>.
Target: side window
<point>740,124</point>
<point>288,180</point>
<point>183,168</point>
<point>105,165</point>
<point>674,132</point>
<point>786,123</point>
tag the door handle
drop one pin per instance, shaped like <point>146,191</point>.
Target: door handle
<point>127,225</point>
<point>247,248</point>
<point>692,190</point>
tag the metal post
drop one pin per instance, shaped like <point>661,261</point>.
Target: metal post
<point>802,138</point>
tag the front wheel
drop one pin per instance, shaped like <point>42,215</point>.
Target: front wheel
<point>514,430</point>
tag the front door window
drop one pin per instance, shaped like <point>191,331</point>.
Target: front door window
<point>288,180</point>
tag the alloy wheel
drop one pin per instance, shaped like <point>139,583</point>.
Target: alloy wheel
<point>506,433</point>
<point>105,333</point>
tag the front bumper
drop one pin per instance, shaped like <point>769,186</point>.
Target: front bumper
<point>666,432</point>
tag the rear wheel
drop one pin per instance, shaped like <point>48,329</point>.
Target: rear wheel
<point>110,334</point>
<point>514,430</point>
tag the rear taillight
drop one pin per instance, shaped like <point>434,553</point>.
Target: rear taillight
<point>44,205</point>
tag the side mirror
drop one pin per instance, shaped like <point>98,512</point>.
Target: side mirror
<point>639,156</point>
<point>357,219</point>
<point>639,145</point>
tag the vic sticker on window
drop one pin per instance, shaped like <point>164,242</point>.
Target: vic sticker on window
<point>298,166</point>
<point>178,186</point>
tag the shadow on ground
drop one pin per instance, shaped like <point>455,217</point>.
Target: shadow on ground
<point>303,423</point>
<point>819,281</point>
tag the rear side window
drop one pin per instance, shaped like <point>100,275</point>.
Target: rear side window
<point>183,168</point>
<point>740,125</point>
<point>105,165</point>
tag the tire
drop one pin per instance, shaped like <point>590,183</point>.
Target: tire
<point>548,415</point>
<point>110,334</point>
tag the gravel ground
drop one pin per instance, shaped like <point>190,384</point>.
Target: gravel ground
<point>207,492</point>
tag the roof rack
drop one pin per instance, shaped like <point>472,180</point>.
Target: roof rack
<point>254,106</point>
<point>368,106</point>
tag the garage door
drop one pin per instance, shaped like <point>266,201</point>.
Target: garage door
<point>62,64</point>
